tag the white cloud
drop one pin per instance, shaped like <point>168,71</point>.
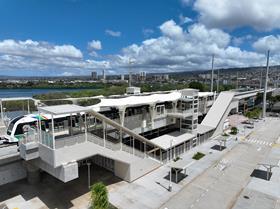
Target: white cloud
<point>147,32</point>
<point>43,56</point>
<point>237,41</point>
<point>183,20</point>
<point>200,34</point>
<point>267,43</point>
<point>67,74</point>
<point>38,49</point>
<point>259,14</point>
<point>171,29</point>
<point>175,49</point>
<point>95,45</point>
<point>113,33</point>
<point>179,50</point>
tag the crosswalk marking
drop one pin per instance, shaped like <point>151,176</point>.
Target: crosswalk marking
<point>260,142</point>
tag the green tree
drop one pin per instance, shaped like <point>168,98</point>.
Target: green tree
<point>197,85</point>
<point>99,196</point>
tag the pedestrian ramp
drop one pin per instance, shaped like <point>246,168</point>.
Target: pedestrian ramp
<point>219,111</point>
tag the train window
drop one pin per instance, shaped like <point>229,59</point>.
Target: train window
<point>19,129</point>
<point>12,123</point>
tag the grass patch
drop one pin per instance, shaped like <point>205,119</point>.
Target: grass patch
<point>198,156</point>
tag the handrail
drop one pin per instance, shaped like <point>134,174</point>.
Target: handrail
<point>121,128</point>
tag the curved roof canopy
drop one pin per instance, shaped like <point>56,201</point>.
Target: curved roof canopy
<point>138,100</point>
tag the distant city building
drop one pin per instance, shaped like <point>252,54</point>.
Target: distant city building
<point>94,75</point>
<point>142,76</point>
<point>161,77</point>
<point>166,77</point>
<point>103,75</point>
<point>122,77</point>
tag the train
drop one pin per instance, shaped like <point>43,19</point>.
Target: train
<point>21,124</point>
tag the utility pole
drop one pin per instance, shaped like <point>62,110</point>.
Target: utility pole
<point>261,80</point>
<point>237,80</point>
<point>130,62</point>
<point>265,84</point>
<point>212,73</point>
<point>218,80</point>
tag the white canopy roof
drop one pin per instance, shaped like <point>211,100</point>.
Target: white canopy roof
<point>205,94</point>
<point>138,100</point>
<point>63,109</point>
<point>175,138</point>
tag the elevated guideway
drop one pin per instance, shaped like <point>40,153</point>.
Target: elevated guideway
<point>219,111</point>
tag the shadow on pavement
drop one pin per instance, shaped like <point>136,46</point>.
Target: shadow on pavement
<point>53,192</point>
<point>261,174</point>
<point>218,147</point>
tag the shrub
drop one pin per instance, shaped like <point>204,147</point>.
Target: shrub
<point>198,156</point>
<point>233,131</point>
<point>255,113</point>
<point>99,196</point>
<point>176,159</point>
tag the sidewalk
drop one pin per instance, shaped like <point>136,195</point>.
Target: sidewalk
<point>151,191</point>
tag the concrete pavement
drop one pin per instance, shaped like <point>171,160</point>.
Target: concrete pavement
<point>218,189</point>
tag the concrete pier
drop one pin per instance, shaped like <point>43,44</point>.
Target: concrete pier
<point>33,173</point>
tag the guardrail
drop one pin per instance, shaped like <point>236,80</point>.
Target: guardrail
<point>114,146</point>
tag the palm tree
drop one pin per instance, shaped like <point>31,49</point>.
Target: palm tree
<point>99,196</point>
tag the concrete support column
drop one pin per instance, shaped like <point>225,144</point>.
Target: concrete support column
<point>33,173</point>
<point>152,114</point>
<point>40,127</point>
<point>71,125</point>
<point>133,144</point>
<point>1,109</point>
<point>53,136</point>
<point>145,149</point>
<point>86,127</point>
<point>122,117</point>
<point>174,105</point>
<point>28,107</point>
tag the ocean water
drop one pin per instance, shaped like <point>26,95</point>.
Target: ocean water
<point>8,93</point>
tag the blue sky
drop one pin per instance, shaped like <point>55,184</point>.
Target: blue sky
<point>79,21</point>
<point>52,37</point>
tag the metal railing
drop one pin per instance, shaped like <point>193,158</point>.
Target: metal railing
<point>47,139</point>
<point>69,141</point>
<point>114,146</point>
<point>28,137</point>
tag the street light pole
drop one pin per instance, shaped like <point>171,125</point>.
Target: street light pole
<point>212,73</point>
<point>265,84</point>
<point>88,165</point>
